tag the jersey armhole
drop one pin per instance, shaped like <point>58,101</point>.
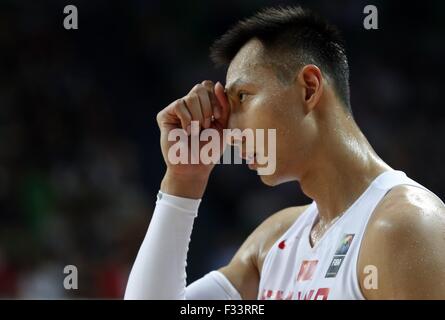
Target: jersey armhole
<point>280,238</point>
<point>356,281</point>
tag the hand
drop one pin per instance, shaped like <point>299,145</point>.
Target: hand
<point>200,104</point>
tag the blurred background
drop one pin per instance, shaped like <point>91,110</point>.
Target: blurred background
<point>80,163</point>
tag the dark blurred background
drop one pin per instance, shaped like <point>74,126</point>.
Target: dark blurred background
<point>80,163</point>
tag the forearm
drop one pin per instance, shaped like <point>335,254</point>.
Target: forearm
<point>159,269</point>
<point>183,185</point>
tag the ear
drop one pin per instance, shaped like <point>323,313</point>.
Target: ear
<point>311,81</point>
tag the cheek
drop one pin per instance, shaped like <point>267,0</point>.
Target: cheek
<point>272,117</point>
<point>263,113</point>
<point>266,111</point>
<point>288,135</point>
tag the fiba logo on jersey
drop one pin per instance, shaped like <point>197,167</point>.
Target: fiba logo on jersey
<point>339,256</point>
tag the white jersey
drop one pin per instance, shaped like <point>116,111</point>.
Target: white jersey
<point>293,269</point>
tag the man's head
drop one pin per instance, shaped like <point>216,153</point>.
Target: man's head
<point>284,65</point>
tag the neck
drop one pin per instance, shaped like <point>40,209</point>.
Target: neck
<point>343,167</point>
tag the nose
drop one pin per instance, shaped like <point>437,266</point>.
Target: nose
<point>232,123</point>
<point>237,125</point>
<point>235,139</point>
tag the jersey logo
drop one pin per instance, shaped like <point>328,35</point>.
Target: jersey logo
<point>307,270</point>
<point>339,255</point>
<point>282,245</point>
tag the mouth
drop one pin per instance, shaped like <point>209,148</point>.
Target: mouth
<point>252,166</point>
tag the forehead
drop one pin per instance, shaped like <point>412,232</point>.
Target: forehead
<point>248,64</point>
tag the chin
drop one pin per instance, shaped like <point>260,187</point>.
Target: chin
<point>275,179</point>
<point>268,181</point>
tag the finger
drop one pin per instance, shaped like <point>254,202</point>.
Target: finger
<point>194,107</point>
<point>223,102</point>
<point>206,106</point>
<point>167,117</point>
<point>208,84</point>
<point>183,114</point>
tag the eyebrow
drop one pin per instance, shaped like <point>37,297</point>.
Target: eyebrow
<point>233,85</point>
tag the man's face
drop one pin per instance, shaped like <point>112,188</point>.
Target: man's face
<point>258,100</point>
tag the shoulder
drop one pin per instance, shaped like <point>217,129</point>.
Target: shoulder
<point>267,233</point>
<point>408,211</point>
<point>244,269</point>
<point>256,246</point>
<point>405,241</point>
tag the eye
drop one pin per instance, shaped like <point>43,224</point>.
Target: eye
<point>242,96</point>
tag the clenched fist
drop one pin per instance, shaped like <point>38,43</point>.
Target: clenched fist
<point>206,103</point>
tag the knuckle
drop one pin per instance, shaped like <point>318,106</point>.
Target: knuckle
<point>159,117</point>
<point>202,92</point>
<point>191,98</point>
<point>177,105</point>
<point>196,87</point>
<point>195,96</point>
<point>207,83</point>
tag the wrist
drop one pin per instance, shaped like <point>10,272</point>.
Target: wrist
<point>186,204</point>
<point>182,185</point>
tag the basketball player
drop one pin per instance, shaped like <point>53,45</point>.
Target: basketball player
<point>370,233</point>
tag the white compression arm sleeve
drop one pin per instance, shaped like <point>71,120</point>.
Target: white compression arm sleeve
<point>213,286</point>
<point>159,269</point>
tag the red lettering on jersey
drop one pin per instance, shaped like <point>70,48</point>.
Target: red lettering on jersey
<point>263,295</point>
<point>307,296</point>
<point>307,270</point>
<point>323,293</point>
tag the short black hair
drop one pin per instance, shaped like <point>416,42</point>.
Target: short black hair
<point>294,37</point>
